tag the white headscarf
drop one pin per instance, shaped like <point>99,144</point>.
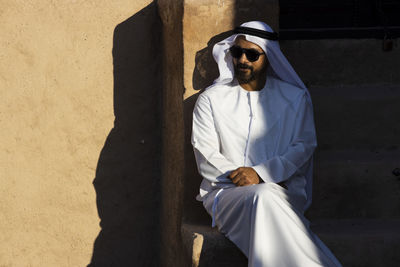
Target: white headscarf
<point>278,62</point>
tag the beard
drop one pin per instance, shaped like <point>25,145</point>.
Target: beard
<point>244,77</point>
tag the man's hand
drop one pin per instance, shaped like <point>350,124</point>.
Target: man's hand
<point>244,176</point>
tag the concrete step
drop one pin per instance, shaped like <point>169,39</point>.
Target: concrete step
<point>356,243</point>
<point>362,243</point>
<point>206,247</point>
<point>355,183</point>
<point>357,117</point>
<point>343,61</point>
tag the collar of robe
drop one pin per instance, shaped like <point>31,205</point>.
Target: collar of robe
<point>256,32</point>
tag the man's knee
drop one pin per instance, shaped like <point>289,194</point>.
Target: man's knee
<point>263,192</point>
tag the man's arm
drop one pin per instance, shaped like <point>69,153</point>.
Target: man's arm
<point>300,150</point>
<point>211,164</point>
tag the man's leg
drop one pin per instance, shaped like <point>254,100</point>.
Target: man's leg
<point>267,224</point>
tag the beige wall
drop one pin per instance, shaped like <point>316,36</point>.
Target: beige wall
<point>203,20</point>
<point>56,89</point>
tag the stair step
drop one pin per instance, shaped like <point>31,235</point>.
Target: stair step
<point>366,243</point>
<point>357,116</point>
<point>354,183</point>
<point>206,247</point>
<point>356,242</point>
<point>343,61</point>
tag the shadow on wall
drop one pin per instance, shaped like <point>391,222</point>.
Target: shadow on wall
<point>204,73</point>
<point>127,181</point>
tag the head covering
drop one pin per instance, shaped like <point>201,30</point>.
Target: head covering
<point>255,32</point>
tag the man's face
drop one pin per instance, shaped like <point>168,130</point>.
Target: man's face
<point>245,70</point>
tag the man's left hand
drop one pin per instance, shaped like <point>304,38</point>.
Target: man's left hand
<point>244,176</point>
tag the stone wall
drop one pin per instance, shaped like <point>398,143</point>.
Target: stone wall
<point>171,13</point>
<point>58,88</point>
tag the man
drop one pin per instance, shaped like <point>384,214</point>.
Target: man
<point>253,138</point>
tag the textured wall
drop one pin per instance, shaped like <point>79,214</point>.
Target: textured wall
<point>56,88</point>
<point>172,133</point>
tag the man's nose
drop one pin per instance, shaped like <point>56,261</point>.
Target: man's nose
<point>243,58</point>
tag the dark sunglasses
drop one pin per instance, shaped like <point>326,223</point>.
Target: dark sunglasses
<point>251,54</point>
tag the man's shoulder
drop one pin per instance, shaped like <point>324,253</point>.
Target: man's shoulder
<point>287,90</point>
<point>216,91</point>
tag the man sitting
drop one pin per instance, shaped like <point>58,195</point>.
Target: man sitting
<point>253,138</point>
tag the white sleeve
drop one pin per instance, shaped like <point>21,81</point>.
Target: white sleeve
<point>299,151</point>
<point>212,165</point>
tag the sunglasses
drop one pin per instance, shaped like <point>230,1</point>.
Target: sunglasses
<point>251,54</point>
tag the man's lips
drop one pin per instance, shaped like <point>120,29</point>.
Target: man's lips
<point>243,67</point>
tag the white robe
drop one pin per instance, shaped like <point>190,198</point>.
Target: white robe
<point>271,130</point>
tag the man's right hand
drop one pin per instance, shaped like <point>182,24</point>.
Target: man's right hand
<point>244,176</point>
